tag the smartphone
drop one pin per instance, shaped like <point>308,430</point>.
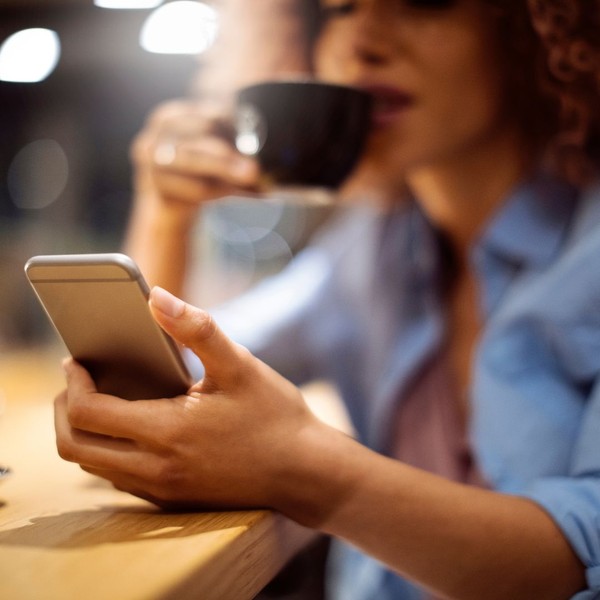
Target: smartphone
<point>98,303</point>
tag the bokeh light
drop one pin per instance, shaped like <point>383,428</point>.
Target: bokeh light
<point>29,55</point>
<point>182,27</point>
<point>127,4</point>
<point>38,174</point>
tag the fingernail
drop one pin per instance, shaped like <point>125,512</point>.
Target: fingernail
<point>166,303</point>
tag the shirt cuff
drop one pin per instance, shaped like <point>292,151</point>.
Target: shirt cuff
<point>574,504</point>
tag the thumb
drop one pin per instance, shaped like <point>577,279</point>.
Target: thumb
<point>196,329</point>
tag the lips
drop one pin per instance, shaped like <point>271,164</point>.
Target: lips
<point>388,103</point>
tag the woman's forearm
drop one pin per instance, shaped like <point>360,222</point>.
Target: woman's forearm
<point>158,239</point>
<point>243,436</point>
<point>258,39</point>
<point>459,541</point>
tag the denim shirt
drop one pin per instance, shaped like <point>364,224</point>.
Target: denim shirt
<point>362,308</point>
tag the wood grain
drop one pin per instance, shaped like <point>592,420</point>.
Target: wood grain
<point>65,534</point>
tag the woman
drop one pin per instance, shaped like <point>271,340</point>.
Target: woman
<point>457,316</point>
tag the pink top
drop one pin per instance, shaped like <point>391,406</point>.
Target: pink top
<point>430,430</point>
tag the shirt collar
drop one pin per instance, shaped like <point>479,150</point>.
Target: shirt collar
<point>530,227</point>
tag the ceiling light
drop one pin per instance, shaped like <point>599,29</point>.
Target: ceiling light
<point>29,55</point>
<point>134,4</point>
<point>182,27</point>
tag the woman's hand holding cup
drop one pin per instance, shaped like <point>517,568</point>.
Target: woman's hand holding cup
<point>185,156</point>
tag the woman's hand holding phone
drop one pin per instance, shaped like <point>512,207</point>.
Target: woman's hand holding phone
<point>240,437</point>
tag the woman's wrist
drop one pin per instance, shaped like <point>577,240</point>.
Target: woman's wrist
<point>158,238</point>
<point>318,479</point>
<point>153,211</point>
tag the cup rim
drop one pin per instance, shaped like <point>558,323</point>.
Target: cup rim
<point>309,82</point>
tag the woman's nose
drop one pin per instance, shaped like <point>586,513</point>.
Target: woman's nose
<point>374,37</point>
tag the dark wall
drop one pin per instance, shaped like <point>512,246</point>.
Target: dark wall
<point>92,105</point>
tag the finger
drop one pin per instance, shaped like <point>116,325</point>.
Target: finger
<point>181,120</point>
<point>169,109</point>
<point>93,450</point>
<point>78,376</point>
<point>87,410</point>
<point>197,169</point>
<point>155,492</point>
<point>185,117</point>
<point>182,189</point>
<point>207,157</point>
<point>222,358</point>
<point>178,122</point>
<point>123,483</point>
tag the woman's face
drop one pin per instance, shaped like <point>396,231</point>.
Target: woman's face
<point>435,72</point>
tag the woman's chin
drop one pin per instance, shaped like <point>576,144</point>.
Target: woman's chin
<point>374,183</point>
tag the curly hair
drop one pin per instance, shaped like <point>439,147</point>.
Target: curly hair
<point>553,49</point>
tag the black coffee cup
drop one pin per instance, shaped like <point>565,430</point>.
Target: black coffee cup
<point>304,133</point>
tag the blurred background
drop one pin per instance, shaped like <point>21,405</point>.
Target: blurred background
<point>77,80</point>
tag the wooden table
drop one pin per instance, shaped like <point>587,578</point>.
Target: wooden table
<point>66,535</point>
